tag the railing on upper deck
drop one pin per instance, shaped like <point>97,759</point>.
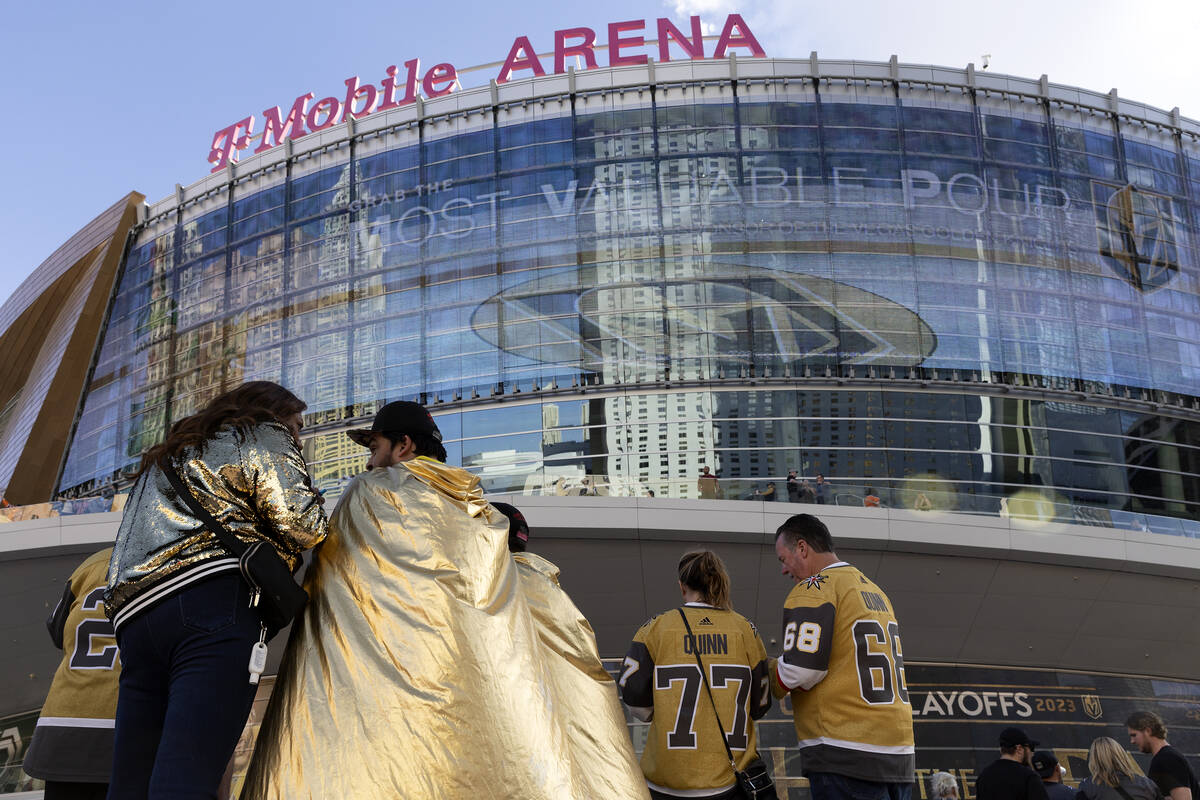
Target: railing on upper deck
<point>1029,503</point>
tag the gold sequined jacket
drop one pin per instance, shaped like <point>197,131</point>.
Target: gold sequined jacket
<point>254,481</point>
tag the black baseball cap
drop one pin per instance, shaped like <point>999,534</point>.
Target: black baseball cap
<point>401,416</point>
<point>1044,763</point>
<point>518,528</point>
<point>1011,737</point>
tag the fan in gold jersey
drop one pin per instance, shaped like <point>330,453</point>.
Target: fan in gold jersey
<point>662,683</point>
<point>72,744</point>
<point>843,664</point>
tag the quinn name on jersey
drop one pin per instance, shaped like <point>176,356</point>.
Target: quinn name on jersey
<point>844,665</point>
<point>660,682</point>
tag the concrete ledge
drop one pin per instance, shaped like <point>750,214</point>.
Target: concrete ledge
<point>748,522</point>
<point>45,536</point>
<point>894,530</point>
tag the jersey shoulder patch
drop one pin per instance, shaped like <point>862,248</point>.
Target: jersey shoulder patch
<point>645,626</point>
<point>814,581</point>
<point>650,621</point>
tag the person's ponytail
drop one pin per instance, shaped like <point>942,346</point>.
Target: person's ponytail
<point>704,572</point>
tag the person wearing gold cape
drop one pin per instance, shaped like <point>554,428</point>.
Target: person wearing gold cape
<point>427,665</point>
<point>568,641</point>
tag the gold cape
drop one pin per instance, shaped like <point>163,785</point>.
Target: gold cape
<point>421,670</point>
<point>602,755</point>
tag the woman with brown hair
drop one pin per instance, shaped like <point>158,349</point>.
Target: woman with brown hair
<point>662,683</point>
<point>182,612</point>
<point>1114,775</point>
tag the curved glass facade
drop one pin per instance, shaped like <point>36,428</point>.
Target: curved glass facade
<point>705,263</point>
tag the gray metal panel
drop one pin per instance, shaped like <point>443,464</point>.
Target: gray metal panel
<point>29,590</point>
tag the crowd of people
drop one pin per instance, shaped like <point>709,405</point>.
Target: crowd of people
<point>1023,772</point>
<point>437,657</point>
<point>799,490</point>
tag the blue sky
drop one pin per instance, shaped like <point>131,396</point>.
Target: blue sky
<point>105,98</point>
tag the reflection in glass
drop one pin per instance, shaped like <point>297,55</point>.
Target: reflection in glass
<point>625,242</point>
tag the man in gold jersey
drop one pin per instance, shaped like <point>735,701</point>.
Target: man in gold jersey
<point>843,665</point>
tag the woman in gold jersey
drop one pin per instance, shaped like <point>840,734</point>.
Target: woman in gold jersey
<point>662,683</point>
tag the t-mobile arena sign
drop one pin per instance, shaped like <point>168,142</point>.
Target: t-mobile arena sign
<point>625,39</point>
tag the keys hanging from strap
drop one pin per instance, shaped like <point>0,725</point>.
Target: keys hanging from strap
<point>258,657</point>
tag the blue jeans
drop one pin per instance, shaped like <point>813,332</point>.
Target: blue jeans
<point>185,691</point>
<point>828,786</point>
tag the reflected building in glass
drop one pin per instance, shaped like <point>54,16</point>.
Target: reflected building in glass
<point>915,279</point>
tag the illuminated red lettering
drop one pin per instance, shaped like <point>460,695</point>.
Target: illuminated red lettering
<point>330,107</point>
<point>277,126</point>
<point>694,47</point>
<point>744,38</point>
<point>616,42</point>
<point>624,40</point>
<point>521,56</point>
<point>410,86</point>
<point>439,75</point>
<point>354,93</point>
<point>227,140</point>
<point>562,50</point>
<point>388,85</point>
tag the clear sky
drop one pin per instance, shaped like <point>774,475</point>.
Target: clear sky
<point>105,98</point>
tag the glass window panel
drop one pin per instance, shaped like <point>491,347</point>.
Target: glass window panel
<point>1015,129</point>
<point>860,139</point>
<point>544,130</point>
<point>497,421</point>
<point>938,120</point>
<point>258,202</point>
<point>940,143</point>
<point>1021,152</point>
<point>374,166</point>
<point>858,115</point>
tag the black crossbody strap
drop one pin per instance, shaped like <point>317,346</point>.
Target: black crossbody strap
<point>227,539</point>
<point>704,677</point>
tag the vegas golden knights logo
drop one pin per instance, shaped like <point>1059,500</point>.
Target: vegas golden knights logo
<point>1137,233</point>
<point>1091,706</point>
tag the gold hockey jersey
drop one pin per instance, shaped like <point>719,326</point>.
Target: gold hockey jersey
<point>73,739</point>
<point>661,682</point>
<point>843,662</point>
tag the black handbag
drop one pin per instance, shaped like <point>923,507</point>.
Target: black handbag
<point>274,592</point>
<point>754,782</point>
